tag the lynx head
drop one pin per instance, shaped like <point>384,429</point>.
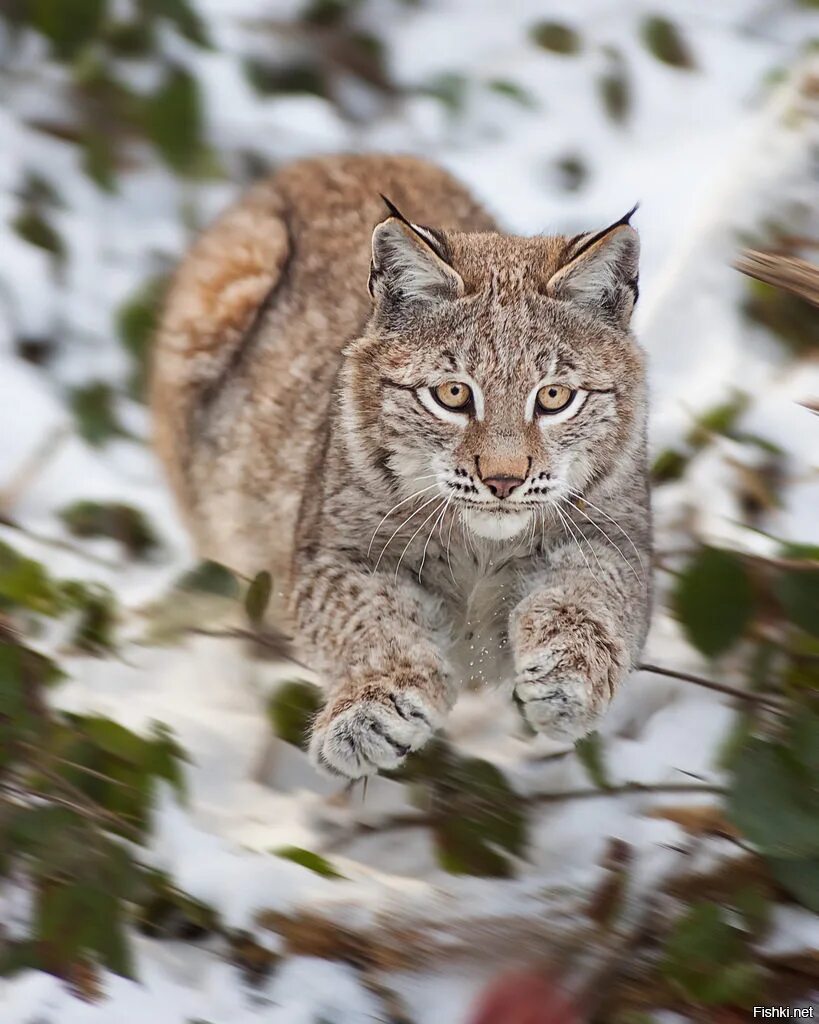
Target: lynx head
<point>500,370</point>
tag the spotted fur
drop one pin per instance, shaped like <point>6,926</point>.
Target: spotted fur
<point>296,413</point>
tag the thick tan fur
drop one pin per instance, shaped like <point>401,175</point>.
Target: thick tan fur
<point>295,413</point>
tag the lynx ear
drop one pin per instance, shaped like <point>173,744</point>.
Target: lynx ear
<point>409,262</point>
<point>600,272</point>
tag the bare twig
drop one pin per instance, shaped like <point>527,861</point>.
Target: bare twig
<point>791,274</point>
<point>57,542</point>
<point>731,691</point>
<point>11,492</point>
<point>274,641</point>
<point>396,822</point>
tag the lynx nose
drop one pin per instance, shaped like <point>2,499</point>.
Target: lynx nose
<point>502,474</point>
<point>502,486</point>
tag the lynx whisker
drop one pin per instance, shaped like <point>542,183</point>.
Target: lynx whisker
<point>434,512</point>
<point>576,494</point>
<point>584,537</point>
<point>616,547</point>
<point>437,523</point>
<point>568,526</point>
<point>423,490</point>
<point>398,529</point>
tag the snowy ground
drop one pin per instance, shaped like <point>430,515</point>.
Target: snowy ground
<point>710,153</point>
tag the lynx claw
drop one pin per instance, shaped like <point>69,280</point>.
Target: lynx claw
<point>354,739</point>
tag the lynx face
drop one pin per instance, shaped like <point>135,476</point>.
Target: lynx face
<point>498,373</point>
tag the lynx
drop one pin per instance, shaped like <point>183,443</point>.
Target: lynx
<point>433,436</point>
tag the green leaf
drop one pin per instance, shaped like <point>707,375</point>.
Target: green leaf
<point>706,957</point>
<point>614,87</point>
<point>512,91</point>
<point>258,597</point>
<point>451,89</point>
<point>165,758</point>
<point>714,600</point>
<point>798,591</point>
<point>478,818</point>
<point>32,226</point>
<point>669,465</point>
<point>774,802</point>
<point>556,37</point>
<point>173,120</point>
<point>99,159</point>
<point>183,16</point>
<point>664,41</point>
<point>136,322</point>
<point>788,316</point>
<point>120,522</point>
<point>68,26</point>
<point>94,632</point>
<point>25,583</point>
<point>799,877</point>
<point>589,750</point>
<point>114,739</point>
<point>291,710</point>
<point>94,410</point>
<point>721,419</point>
<point>210,578</point>
<point>313,861</point>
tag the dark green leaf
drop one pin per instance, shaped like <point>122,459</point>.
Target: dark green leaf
<point>99,159</point>
<point>669,465</point>
<point>589,750</point>
<point>173,120</point>
<point>479,819</point>
<point>68,26</point>
<point>706,957</point>
<point>94,631</point>
<point>663,39</point>
<point>556,37</point>
<point>114,739</point>
<point>94,410</point>
<point>136,321</point>
<point>308,859</point>
<point>210,578</point>
<point>272,79</point>
<point>258,597</point>
<point>292,709</point>
<point>798,590</point>
<point>120,522</point>
<point>799,877</point>
<point>774,802</point>
<point>183,15</point>
<point>714,600</point>
<point>615,89</point>
<point>32,225</point>
<point>25,583</point>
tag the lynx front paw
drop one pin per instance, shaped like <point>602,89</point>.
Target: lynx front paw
<point>568,666</point>
<point>361,734</point>
<point>564,707</point>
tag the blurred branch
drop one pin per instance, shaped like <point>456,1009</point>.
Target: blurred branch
<point>396,822</point>
<point>790,273</point>
<point>752,698</point>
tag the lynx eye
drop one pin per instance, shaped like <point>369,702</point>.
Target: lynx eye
<point>552,398</point>
<point>453,395</point>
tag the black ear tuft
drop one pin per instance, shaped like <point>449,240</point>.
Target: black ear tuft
<point>626,218</point>
<point>393,209</point>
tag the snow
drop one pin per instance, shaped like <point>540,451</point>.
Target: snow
<point>708,153</point>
